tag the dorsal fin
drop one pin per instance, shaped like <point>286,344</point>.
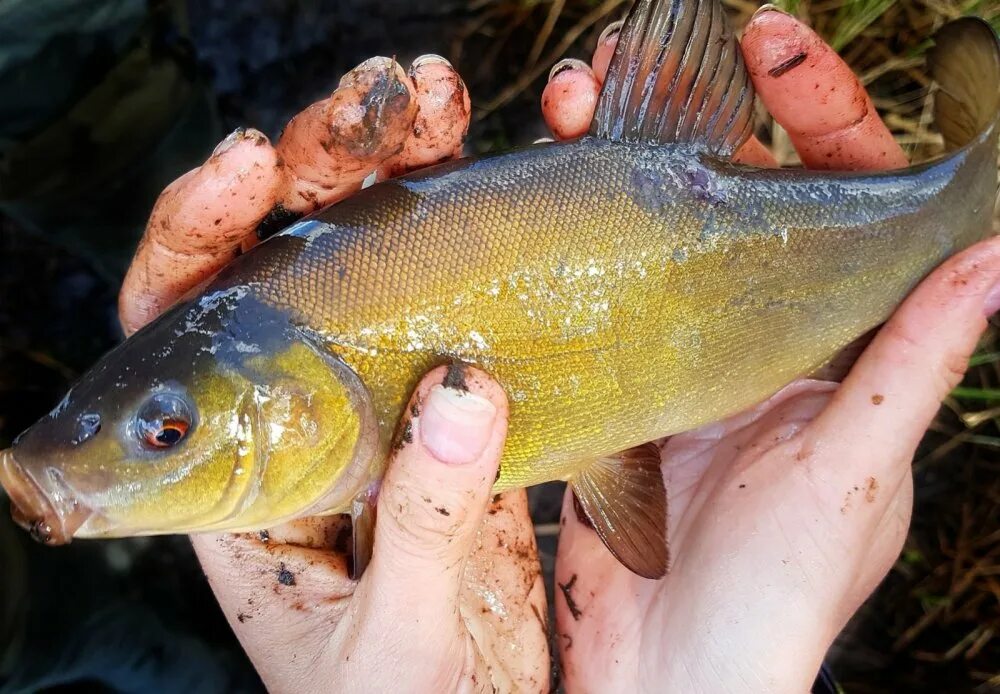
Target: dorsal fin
<point>677,75</point>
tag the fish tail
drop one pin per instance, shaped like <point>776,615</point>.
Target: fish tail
<point>965,62</point>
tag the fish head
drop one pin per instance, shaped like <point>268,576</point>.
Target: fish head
<point>221,415</point>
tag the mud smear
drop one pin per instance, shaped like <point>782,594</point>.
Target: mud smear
<point>566,589</point>
<point>285,577</point>
<point>277,219</point>
<point>455,377</point>
<point>790,64</point>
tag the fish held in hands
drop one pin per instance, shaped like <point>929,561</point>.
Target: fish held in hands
<point>622,287</point>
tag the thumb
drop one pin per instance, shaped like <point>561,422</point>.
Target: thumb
<point>437,489</point>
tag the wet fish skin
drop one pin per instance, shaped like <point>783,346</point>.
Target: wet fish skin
<point>619,293</point>
<point>626,286</point>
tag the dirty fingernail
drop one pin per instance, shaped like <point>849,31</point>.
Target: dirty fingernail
<point>567,64</point>
<point>239,135</point>
<point>455,425</point>
<point>227,144</point>
<point>429,58</point>
<point>610,31</point>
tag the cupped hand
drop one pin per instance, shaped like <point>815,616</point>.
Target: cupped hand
<point>453,598</point>
<point>784,519</point>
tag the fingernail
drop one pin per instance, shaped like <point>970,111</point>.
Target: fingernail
<point>366,69</point>
<point>239,135</point>
<point>542,141</point>
<point>231,139</point>
<point>455,425</point>
<point>992,302</point>
<point>567,64</point>
<point>610,31</point>
<point>429,58</point>
<point>768,7</point>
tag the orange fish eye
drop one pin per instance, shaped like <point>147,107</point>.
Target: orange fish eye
<point>170,432</point>
<point>163,420</point>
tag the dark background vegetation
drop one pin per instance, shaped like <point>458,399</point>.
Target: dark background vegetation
<point>102,102</point>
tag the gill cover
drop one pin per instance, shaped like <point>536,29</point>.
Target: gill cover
<point>306,433</point>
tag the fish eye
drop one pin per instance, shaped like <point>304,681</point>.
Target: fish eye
<point>163,420</point>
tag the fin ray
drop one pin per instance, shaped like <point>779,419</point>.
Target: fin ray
<point>362,533</point>
<point>965,62</point>
<point>677,75</point>
<point>625,500</point>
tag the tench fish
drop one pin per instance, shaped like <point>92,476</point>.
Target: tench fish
<point>622,287</point>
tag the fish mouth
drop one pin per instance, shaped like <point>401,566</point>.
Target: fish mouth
<point>32,509</point>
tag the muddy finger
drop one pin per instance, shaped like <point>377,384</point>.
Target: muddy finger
<point>198,224</point>
<point>442,121</point>
<point>569,99</point>
<point>329,148</point>
<point>816,97</point>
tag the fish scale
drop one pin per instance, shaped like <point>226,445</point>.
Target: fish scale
<point>640,306</point>
<point>622,287</point>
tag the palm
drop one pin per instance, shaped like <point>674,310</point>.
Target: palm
<point>741,504</point>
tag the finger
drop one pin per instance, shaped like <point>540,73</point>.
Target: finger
<point>597,602</point>
<point>329,148</point>
<point>266,589</point>
<point>569,99</point>
<point>887,540</point>
<point>442,121</point>
<point>503,597</point>
<point>198,223</point>
<point>816,97</point>
<point>605,49</point>
<point>754,153</point>
<point>891,395</point>
<point>435,493</point>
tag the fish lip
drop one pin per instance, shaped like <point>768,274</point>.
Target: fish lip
<point>33,510</point>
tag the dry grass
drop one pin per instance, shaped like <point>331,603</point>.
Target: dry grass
<point>934,625</point>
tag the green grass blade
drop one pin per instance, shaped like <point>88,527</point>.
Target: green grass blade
<point>976,393</point>
<point>854,17</point>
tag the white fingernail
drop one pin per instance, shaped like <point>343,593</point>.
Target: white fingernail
<point>427,58</point>
<point>239,135</point>
<point>610,31</point>
<point>455,425</point>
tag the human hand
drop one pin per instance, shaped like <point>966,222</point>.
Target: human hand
<point>453,598</point>
<point>785,518</point>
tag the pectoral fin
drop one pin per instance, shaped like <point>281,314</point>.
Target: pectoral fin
<point>624,498</point>
<point>677,75</point>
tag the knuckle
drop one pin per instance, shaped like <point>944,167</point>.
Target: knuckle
<point>422,522</point>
